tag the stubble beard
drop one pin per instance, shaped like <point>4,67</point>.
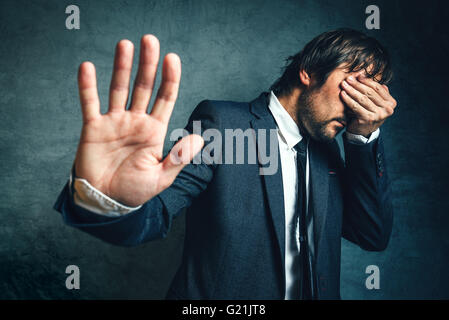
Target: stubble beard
<point>307,119</point>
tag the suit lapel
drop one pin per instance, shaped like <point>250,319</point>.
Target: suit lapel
<point>319,186</point>
<point>272,183</point>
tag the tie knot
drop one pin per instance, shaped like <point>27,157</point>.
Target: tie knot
<point>301,146</point>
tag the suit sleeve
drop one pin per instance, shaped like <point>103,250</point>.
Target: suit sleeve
<point>153,219</point>
<point>368,209</point>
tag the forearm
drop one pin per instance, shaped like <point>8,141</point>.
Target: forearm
<point>146,223</point>
<point>367,217</point>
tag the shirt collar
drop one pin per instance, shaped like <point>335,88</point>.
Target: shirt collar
<point>287,127</point>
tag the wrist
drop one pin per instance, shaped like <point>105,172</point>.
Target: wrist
<point>364,133</point>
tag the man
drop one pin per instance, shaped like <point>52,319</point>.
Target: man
<point>249,235</point>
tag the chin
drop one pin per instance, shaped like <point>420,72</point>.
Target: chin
<point>326,135</point>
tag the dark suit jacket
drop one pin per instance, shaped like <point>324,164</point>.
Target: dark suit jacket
<point>235,243</point>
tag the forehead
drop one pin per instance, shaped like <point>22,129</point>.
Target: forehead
<point>344,68</point>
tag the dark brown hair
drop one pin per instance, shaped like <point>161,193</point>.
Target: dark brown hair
<point>328,51</point>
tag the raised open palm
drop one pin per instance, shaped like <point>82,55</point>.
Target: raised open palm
<point>120,152</point>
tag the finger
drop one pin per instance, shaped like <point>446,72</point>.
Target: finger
<point>365,90</point>
<point>119,89</point>
<point>359,111</point>
<point>384,94</point>
<point>168,91</point>
<point>87,85</point>
<point>361,99</point>
<point>180,155</point>
<point>389,103</point>
<point>146,75</point>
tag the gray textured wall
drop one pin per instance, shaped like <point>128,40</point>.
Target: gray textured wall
<point>229,50</point>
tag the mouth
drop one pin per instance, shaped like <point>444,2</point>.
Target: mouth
<point>341,123</point>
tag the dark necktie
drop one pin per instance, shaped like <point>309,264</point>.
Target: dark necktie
<point>305,283</point>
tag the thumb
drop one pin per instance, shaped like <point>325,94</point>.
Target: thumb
<point>180,155</point>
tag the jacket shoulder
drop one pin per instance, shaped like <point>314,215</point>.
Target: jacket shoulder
<point>222,111</point>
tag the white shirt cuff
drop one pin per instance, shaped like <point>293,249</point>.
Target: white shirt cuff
<point>359,139</point>
<point>91,199</point>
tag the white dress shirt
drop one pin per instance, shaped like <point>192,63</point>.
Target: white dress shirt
<point>87,197</point>
<point>289,136</point>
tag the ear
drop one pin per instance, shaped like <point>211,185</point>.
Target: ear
<point>304,77</point>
